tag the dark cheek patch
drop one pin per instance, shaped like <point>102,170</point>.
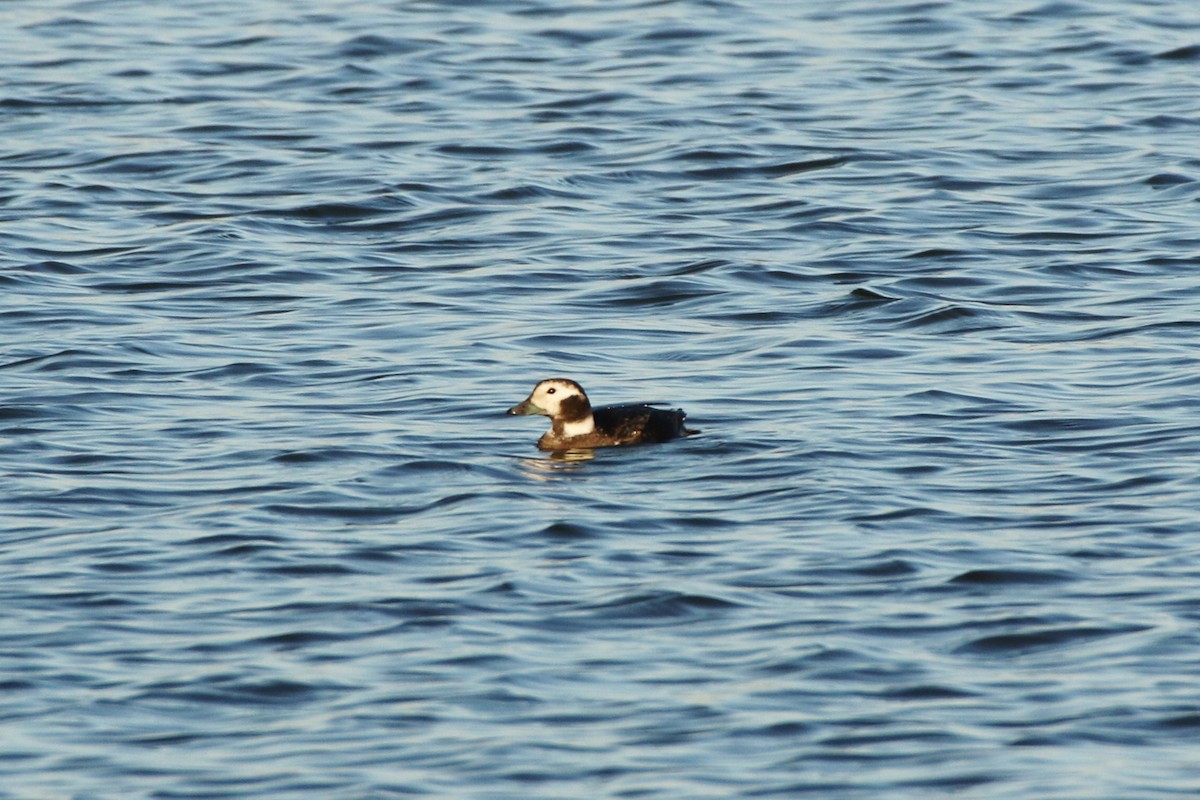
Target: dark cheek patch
<point>573,408</point>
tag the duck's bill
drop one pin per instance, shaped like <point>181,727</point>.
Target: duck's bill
<point>525,409</point>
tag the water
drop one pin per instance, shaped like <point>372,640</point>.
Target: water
<point>925,275</point>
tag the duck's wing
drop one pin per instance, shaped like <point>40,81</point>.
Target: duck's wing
<point>639,422</point>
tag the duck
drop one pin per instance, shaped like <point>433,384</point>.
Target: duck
<point>574,424</point>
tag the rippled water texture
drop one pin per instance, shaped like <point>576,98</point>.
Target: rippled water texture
<point>925,275</point>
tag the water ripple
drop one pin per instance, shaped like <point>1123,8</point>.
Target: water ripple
<point>924,277</point>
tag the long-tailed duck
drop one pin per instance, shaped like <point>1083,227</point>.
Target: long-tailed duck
<point>575,424</point>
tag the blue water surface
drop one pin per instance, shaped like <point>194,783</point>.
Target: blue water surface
<point>925,274</point>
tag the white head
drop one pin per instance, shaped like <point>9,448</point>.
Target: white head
<point>564,402</point>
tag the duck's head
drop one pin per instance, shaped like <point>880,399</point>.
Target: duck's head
<point>557,398</point>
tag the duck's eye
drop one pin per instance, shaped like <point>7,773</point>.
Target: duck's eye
<point>551,390</point>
